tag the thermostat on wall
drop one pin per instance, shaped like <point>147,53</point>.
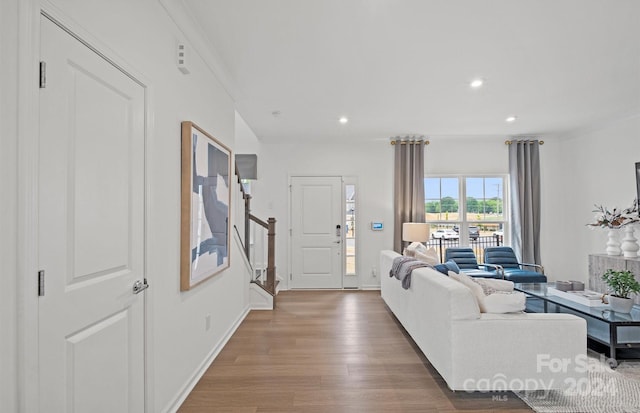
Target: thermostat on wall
<point>377,226</point>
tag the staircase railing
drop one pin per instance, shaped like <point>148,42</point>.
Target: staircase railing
<point>253,242</point>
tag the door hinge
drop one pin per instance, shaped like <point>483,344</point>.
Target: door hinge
<point>43,74</point>
<point>41,283</point>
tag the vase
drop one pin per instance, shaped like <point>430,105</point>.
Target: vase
<point>613,246</point>
<point>629,244</point>
<point>620,305</point>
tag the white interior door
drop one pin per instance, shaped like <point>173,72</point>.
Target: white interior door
<point>91,231</point>
<point>317,234</point>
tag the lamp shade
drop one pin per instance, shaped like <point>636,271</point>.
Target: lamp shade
<point>415,232</point>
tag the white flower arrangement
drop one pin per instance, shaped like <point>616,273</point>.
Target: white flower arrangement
<point>615,219</point>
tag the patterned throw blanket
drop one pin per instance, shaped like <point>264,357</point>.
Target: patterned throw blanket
<point>402,267</point>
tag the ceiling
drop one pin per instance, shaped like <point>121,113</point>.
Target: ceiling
<point>398,67</point>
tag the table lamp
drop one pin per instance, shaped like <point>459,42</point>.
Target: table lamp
<point>415,232</point>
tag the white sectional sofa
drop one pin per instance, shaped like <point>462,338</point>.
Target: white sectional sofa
<point>476,351</point>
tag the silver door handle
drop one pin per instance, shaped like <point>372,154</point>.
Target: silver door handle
<point>336,242</point>
<point>140,286</point>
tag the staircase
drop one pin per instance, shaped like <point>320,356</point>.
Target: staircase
<point>258,241</point>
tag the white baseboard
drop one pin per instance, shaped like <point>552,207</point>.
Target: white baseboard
<point>191,383</point>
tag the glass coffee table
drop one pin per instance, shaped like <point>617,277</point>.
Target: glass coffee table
<point>614,330</point>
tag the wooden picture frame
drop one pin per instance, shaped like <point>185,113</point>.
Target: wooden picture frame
<point>206,206</point>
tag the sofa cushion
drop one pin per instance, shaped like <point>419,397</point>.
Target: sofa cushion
<point>490,286</point>
<point>475,288</point>
<point>501,302</point>
<point>493,296</point>
<point>430,256</point>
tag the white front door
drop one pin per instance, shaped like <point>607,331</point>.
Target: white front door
<point>317,233</point>
<point>91,231</point>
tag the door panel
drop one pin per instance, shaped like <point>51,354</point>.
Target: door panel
<point>316,218</point>
<point>91,231</point>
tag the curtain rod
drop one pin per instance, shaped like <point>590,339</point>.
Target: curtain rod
<point>399,142</point>
<point>507,142</point>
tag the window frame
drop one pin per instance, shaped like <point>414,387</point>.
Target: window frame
<point>463,222</point>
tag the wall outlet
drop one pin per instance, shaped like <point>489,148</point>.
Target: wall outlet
<point>374,272</point>
<point>207,322</point>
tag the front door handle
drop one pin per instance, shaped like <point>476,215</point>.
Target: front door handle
<point>140,286</point>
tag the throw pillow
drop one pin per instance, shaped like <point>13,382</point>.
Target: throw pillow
<point>490,285</point>
<point>452,266</point>
<point>475,288</point>
<point>416,247</point>
<point>442,268</point>
<point>504,302</point>
<point>430,256</point>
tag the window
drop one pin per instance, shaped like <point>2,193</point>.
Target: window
<point>350,226</point>
<point>471,205</point>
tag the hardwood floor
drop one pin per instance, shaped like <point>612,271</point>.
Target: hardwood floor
<point>330,351</point>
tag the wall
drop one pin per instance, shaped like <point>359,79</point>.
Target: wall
<point>140,36</point>
<point>371,163</point>
<point>589,167</point>
<point>8,205</point>
<point>467,155</point>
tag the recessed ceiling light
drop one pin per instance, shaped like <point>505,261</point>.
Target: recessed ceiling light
<point>343,120</point>
<point>511,119</point>
<point>476,83</point>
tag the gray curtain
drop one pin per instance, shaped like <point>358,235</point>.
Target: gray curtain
<point>524,176</point>
<point>408,186</point>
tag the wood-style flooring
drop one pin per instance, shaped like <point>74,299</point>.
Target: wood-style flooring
<point>330,351</point>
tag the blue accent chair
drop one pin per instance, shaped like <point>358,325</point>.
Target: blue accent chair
<point>513,270</point>
<point>466,259</point>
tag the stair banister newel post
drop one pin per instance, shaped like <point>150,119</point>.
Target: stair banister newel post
<point>247,229</point>
<point>271,261</point>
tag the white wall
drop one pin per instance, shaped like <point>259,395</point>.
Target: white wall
<point>371,163</point>
<point>140,36</point>
<point>467,155</point>
<point>588,167</point>
<point>8,205</point>
<point>246,140</point>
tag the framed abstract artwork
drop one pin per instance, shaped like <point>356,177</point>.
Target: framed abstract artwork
<point>205,207</point>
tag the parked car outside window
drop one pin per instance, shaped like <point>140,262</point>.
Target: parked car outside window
<point>444,234</point>
<point>474,233</point>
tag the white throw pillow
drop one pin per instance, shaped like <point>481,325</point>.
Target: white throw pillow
<point>491,285</point>
<point>416,247</point>
<point>475,288</point>
<point>430,256</point>
<point>505,302</point>
<point>502,298</point>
